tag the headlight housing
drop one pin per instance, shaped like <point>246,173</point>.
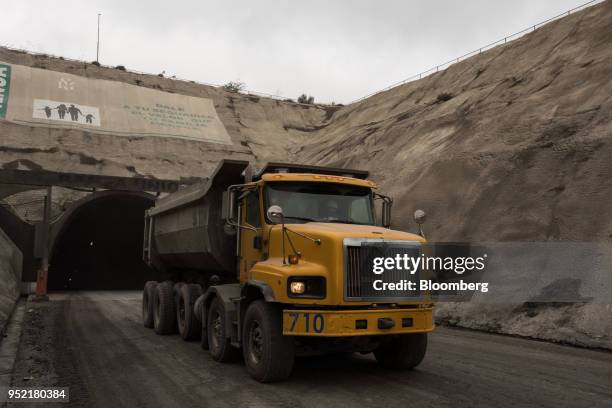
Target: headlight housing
<point>309,287</point>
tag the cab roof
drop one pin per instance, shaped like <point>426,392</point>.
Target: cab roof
<point>317,178</point>
<point>282,168</point>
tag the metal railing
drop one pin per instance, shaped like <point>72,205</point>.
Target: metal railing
<point>477,51</point>
<point>420,75</point>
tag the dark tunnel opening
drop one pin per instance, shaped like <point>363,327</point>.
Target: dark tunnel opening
<point>101,246</point>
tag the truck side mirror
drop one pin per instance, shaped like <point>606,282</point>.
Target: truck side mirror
<point>386,213</point>
<point>419,218</point>
<point>275,214</point>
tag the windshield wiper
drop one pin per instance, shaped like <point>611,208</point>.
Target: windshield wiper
<point>349,222</point>
<point>301,218</point>
<point>327,221</point>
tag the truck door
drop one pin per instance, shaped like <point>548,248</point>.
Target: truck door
<point>250,240</point>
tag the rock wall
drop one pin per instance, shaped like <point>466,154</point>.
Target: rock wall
<point>512,144</point>
<point>10,277</point>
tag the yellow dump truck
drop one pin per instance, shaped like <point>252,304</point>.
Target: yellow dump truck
<point>276,264</point>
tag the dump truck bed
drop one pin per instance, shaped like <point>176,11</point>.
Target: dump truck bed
<point>184,230</point>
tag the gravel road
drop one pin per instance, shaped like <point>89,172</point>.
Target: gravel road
<point>94,343</point>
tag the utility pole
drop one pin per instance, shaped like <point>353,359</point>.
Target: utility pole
<point>43,272</point>
<point>98,45</point>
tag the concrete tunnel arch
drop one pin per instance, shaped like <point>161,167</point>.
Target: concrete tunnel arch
<point>97,243</point>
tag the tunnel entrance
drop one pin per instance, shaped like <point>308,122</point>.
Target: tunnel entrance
<point>100,246</point>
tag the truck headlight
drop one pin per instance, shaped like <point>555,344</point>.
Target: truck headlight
<point>312,287</point>
<point>297,287</point>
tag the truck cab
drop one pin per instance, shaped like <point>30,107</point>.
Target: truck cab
<point>305,241</point>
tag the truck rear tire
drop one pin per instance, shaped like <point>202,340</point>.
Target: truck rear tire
<point>203,316</point>
<point>268,355</point>
<point>189,326</point>
<point>148,296</point>
<point>402,352</point>
<point>204,338</point>
<point>219,344</point>
<point>200,314</point>
<point>164,316</point>
<point>176,288</point>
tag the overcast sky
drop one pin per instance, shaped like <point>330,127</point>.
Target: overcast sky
<point>334,50</point>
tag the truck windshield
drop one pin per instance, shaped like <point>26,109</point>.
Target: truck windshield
<point>321,202</point>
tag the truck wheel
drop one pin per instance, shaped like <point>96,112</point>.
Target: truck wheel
<point>268,355</point>
<point>164,312</point>
<point>219,344</point>
<point>204,338</point>
<point>189,326</point>
<point>404,351</point>
<point>176,289</point>
<point>148,294</point>
<point>201,314</point>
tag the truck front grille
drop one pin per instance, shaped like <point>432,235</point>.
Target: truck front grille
<point>359,275</point>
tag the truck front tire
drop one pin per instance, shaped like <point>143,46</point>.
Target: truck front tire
<point>164,312</point>
<point>402,352</point>
<point>219,344</point>
<point>189,326</point>
<point>148,296</point>
<point>268,355</point>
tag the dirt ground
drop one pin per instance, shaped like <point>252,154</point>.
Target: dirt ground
<point>94,343</point>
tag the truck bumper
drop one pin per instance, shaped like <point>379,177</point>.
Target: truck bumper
<point>345,323</point>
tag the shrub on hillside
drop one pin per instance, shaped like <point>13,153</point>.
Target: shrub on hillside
<point>307,99</point>
<point>234,86</point>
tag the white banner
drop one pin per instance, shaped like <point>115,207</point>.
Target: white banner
<point>40,97</point>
